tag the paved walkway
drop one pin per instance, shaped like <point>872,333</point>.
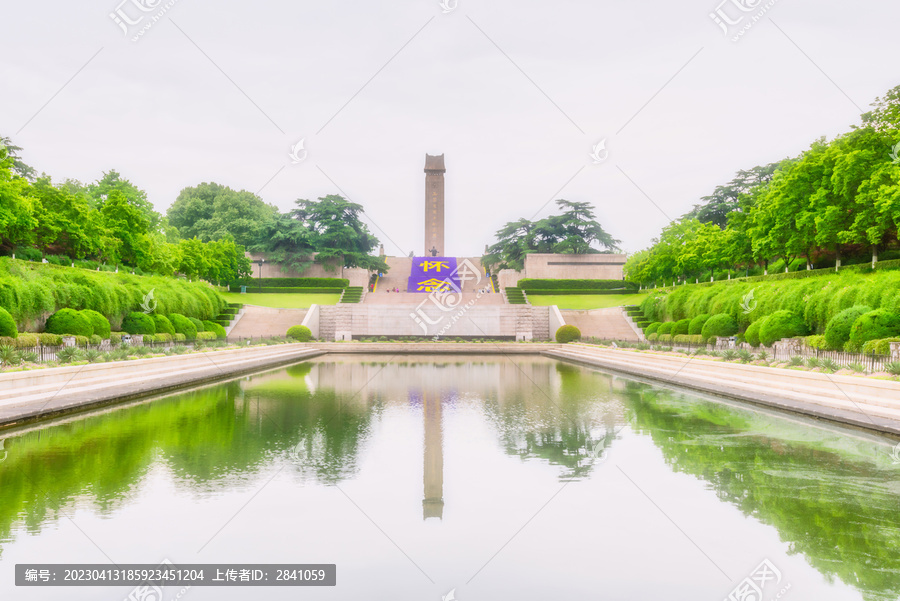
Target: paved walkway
<point>864,402</point>
<point>606,324</point>
<point>260,322</point>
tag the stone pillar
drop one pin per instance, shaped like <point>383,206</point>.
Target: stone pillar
<point>434,205</point>
<point>895,351</point>
<point>68,340</point>
<point>433,503</point>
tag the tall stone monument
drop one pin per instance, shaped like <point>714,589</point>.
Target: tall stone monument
<point>434,205</point>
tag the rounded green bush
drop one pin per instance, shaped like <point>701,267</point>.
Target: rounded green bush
<point>837,333</point>
<point>567,334</point>
<point>666,327</point>
<point>781,324</point>
<point>681,327</point>
<point>98,322</point>
<point>139,323</point>
<point>696,327</point>
<point>163,325</point>
<point>7,324</point>
<point>752,333</point>
<point>183,326</point>
<point>652,328</point>
<point>69,322</point>
<point>206,335</point>
<point>198,324</point>
<point>218,330</point>
<point>873,325</point>
<point>299,333</point>
<point>96,339</point>
<point>718,326</point>
<point>653,337</point>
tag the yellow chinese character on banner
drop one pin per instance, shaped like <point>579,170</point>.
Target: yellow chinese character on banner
<point>430,285</point>
<point>438,265</point>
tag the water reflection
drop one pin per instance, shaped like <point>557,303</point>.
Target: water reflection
<point>831,494</point>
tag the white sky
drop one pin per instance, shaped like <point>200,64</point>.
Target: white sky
<point>514,93</point>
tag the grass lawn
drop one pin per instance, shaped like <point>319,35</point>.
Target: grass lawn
<point>587,301</point>
<point>282,301</point>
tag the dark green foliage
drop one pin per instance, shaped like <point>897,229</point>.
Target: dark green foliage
<point>69,322</point>
<point>697,323</point>
<point>567,334</point>
<point>163,325</point>
<point>720,325</point>
<point>353,294</point>
<point>681,327</point>
<point>7,324</point>
<point>780,325</point>
<point>211,326</point>
<point>139,323</point>
<point>575,292</point>
<point>299,333</point>
<point>515,296</point>
<point>184,326</point>
<point>99,324</point>
<point>197,324</point>
<point>838,331</point>
<point>874,325</point>
<point>582,286</point>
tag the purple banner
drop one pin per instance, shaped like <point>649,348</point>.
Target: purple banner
<point>432,273</point>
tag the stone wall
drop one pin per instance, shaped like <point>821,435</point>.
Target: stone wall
<point>574,267</point>
<point>522,322</point>
<point>357,276</point>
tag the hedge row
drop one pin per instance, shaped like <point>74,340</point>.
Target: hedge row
<point>292,283</point>
<point>31,290</point>
<point>285,290</point>
<point>548,291</point>
<point>529,285</point>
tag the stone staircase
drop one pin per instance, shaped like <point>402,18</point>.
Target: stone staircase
<point>606,324</point>
<point>540,322</point>
<point>327,314</point>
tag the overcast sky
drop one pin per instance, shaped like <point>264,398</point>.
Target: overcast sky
<point>515,93</point>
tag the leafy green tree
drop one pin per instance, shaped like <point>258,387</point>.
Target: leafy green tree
<point>7,148</point>
<point>17,221</point>
<point>126,223</point>
<point>574,231</point>
<point>211,211</point>
<point>101,192</point>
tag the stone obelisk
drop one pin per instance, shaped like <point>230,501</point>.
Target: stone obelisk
<point>434,205</point>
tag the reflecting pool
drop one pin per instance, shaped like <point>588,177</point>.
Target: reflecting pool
<point>495,478</point>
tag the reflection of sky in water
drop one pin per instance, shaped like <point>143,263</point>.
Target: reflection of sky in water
<point>413,478</point>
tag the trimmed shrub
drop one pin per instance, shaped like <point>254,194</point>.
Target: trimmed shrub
<point>874,325</point>
<point>781,324</point>
<point>879,347</point>
<point>99,323</point>
<point>652,328</point>
<point>116,337</point>
<point>184,326</point>
<point>49,339</point>
<point>69,322</point>
<point>218,330</point>
<point>838,331</point>
<point>720,325</point>
<point>566,334</point>
<point>7,324</point>
<point>180,337</point>
<point>163,337</point>
<point>95,339</point>
<point>299,333</point>
<point>666,339</point>
<point>681,327</point>
<point>27,340</point>
<point>752,333</point>
<point>139,323</point>
<point>653,337</point>
<point>206,335</point>
<point>817,342</point>
<point>197,324</point>
<point>257,283</point>
<point>82,340</point>
<point>665,328</point>
<point>689,339</point>
<point>696,327</point>
<point>163,325</point>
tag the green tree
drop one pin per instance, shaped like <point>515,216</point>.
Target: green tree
<point>126,223</point>
<point>210,211</point>
<point>102,190</point>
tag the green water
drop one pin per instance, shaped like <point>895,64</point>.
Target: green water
<point>502,478</point>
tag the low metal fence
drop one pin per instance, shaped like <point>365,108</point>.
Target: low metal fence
<point>868,362</point>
